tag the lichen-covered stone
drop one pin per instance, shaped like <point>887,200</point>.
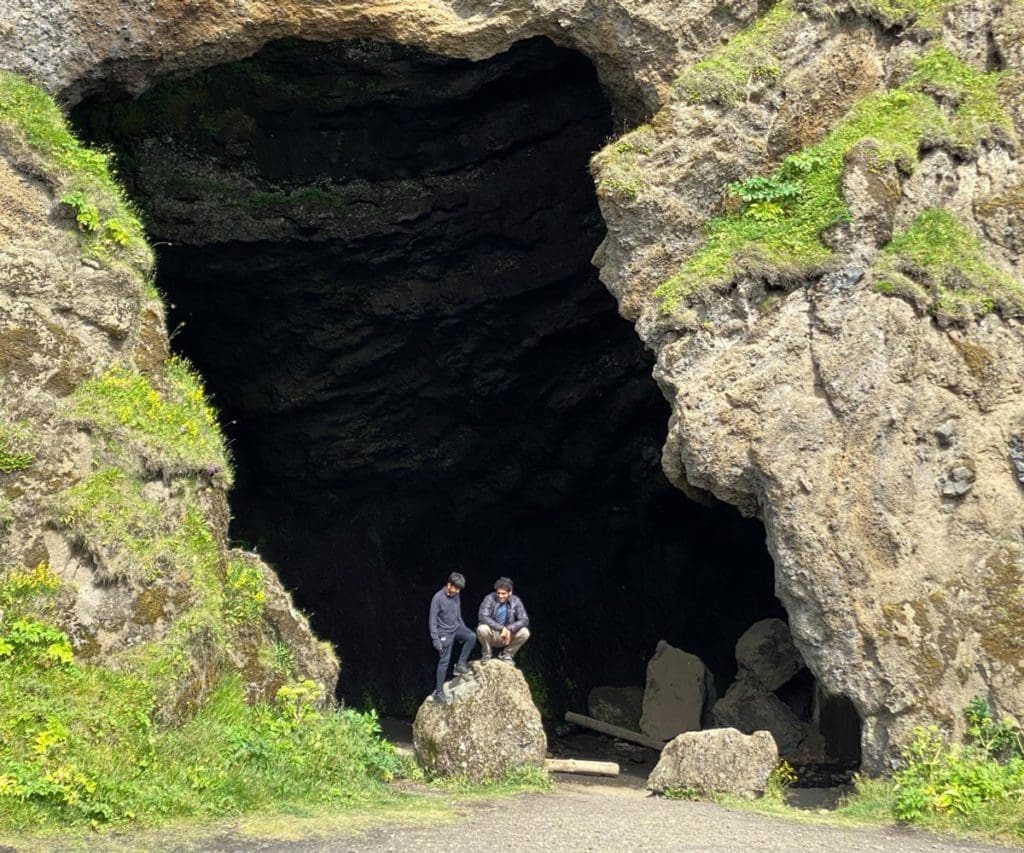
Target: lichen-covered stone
<point>620,706</point>
<point>488,726</point>
<point>718,761</point>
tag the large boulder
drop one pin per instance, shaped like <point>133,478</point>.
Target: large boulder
<point>748,707</point>
<point>487,727</point>
<point>620,706</point>
<point>677,688</point>
<point>766,653</point>
<point>718,761</point>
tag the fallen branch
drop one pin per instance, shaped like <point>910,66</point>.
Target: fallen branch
<point>587,768</point>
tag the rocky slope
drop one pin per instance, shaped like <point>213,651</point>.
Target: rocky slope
<point>839,342</point>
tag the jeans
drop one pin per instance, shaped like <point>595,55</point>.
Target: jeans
<point>468,640</point>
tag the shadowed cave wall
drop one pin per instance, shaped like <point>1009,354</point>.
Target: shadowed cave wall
<point>379,259</point>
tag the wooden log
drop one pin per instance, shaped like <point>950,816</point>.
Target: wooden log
<point>587,768</point>
<point>614,731</point>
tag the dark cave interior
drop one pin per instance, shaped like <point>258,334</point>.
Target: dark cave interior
<point>380,261</point>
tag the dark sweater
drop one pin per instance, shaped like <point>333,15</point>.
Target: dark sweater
<point>445,615</point>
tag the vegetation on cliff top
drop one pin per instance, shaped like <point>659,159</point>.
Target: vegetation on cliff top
<point>779,225</point>
<point>81,176</point>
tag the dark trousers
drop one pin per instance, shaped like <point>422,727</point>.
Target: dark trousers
<point>468,640</point>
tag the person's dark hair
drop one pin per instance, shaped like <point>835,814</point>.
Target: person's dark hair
<point>503,583</point>
<point>456,579</point>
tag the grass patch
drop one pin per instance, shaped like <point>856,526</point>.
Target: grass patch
<point>80,745</point>
<point>903,13</point>
<point>132,536</point>
<point>940,266</point>
<point>14,453</point>
<point>521,780</point>
<point>82,176</point>
<point>723,76</point>
<point>777,230</point>
<point>174,429</point>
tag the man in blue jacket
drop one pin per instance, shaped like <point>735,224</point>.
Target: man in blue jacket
<point>446,626</point>
<point>503,623</point>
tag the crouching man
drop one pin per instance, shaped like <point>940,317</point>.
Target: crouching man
<point>504,624</point>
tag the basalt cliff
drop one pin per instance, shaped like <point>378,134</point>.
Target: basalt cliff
<point>808,212</point>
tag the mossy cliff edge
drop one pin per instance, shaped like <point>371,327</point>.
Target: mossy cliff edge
<point>815,227</point>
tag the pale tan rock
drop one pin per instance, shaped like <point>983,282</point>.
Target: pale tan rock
<point>488,727</point>
<point>675,693</point>
<point>718,761</point>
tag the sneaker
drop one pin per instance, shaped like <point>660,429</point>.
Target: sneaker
<point>461,669</point>
<point>439,697</point>
<point>485,658</point>
<point>505,657</point>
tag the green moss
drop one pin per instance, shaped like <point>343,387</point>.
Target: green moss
<point>1001,625</point>
<point>723,76</point>
<point>617,169</point>
<point>977,107</point>
<point>175,429</point>
<point>781,235</point>
<point>924,13</point>
<point>939,264</point>
<point>110,227</point>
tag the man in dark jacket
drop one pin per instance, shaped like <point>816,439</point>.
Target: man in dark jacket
<point>503,623</point>
<point>446,626</point>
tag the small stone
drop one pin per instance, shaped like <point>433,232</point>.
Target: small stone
<point>946,433</point>
<point>1017,457</point>
<point>959,481</point>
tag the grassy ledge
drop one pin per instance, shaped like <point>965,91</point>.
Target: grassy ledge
<point>723,76</point>
<point>175,429</point>
<point>777,229</point>
<point>82,177</point>
<point>940,266</point>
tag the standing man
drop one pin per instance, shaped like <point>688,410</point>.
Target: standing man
<point>503,622</point>
<point>446,626</point>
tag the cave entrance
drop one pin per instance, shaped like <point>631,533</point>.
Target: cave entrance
<point>379,259</point>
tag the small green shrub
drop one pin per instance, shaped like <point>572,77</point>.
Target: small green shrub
<point>966,787</point>
<point>779,781</point>
<point>681,794</point>
<point>13,454</point>
<point>244,590</point>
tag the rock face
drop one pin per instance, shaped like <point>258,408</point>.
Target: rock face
<point>766,654</point>
<point>718,761</point>
<point>812,389</point>
<point>620,706</point>
<point>676,691</point>
<point>488,727</point>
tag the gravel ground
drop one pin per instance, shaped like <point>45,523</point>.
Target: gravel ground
<point>595,817</point>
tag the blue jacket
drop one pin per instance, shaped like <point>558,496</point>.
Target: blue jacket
<point>515,618</point>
